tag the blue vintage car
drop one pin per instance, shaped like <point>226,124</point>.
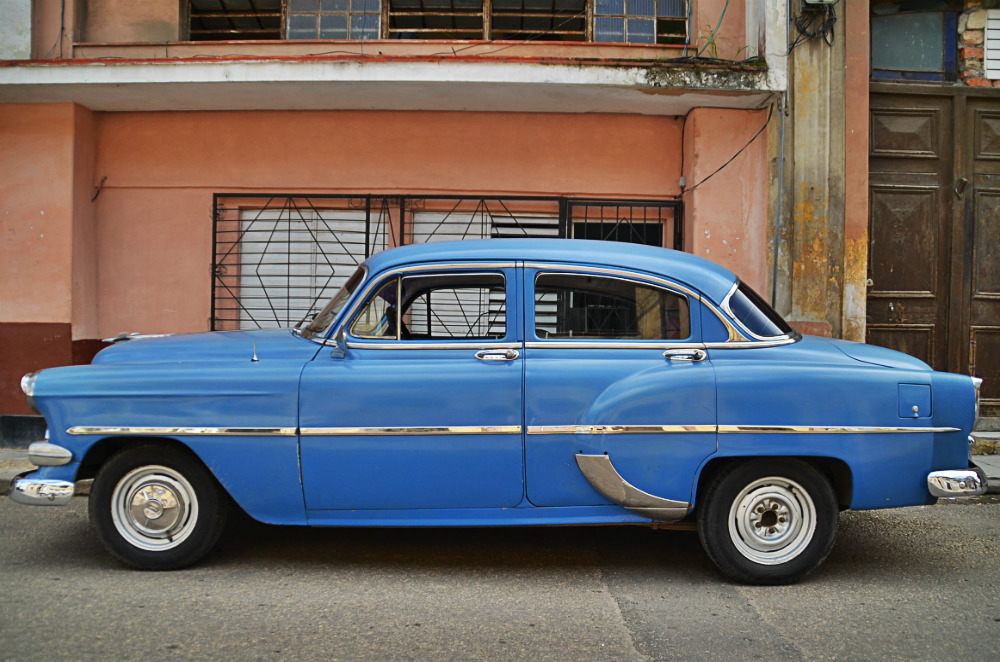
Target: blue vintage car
<point>507,382</point>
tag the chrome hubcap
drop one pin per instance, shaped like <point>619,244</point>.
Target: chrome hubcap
<point>772,520</point>
<point>154,508</point>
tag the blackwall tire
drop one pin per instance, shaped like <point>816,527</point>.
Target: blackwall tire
<point>157,507</point>
<point>768,521</point>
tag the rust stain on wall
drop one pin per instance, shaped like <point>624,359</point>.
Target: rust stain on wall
<point>855,288</point>
<point>810,252</point>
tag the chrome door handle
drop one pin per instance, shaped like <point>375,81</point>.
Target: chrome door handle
<point>685,354</point>
<point>497,354</point>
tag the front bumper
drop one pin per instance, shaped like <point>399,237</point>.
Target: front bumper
<point>957,482</point>
<point>40,491</point>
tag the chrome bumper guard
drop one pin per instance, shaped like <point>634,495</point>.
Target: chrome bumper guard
<point>956,483</point>
<point>40,491</point>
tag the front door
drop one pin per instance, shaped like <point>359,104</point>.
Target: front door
<point>423,409</point>
<point>909,238</point>
<point>934,219</point>
<point>610,368</point>
<point>981,199</point>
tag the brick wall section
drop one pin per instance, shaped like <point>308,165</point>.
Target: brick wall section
<point>971,34</point>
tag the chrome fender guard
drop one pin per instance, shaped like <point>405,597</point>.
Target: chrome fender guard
<point>604,478</point>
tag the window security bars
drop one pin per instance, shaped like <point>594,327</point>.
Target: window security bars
<point>223,20</point>
<point>280,258</point>
<point>610,21</point>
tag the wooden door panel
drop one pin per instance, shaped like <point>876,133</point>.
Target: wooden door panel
<point>984,311</point>
<point>910,165</point>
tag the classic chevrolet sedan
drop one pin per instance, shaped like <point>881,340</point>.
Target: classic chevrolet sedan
<point>507,383</point>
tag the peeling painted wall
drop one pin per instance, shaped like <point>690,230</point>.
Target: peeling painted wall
<point>15,29</point>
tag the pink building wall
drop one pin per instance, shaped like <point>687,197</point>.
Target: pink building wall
<point>107,217</point>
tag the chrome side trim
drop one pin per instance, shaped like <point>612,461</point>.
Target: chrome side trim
<point>727,429</point>
<point>617,429</point>
<point>412,431</point>
<point>40,491</point>
<point>187,431</point>
<point>405,344</point>
<point>44,454</point>
<point>823,429</point>
<point>604,478</point>
<point>964,482</point>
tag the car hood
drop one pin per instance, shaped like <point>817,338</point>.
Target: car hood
<point>213,346</point>
<point>887,358</point>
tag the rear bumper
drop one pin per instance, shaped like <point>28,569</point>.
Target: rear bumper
<point>957,482</point>
<point>40,491</point>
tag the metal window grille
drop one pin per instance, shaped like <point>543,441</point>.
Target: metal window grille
<point>640,21</point>
<point>280,258</point>
<point>334,19</point>
<point>223,20</point>
<point>991,44</point>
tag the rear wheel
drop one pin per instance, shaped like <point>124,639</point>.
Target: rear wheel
<point>157,507</point>
<point>768,521</point>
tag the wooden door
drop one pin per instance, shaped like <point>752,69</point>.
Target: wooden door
<point>982,228</point>
<point>909,242</point>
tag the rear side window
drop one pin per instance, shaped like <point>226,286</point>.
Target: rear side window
<point>600,307</point>
<point>756,315</point>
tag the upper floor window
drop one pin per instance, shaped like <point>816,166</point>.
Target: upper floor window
<point>227,20</point>
<point>914,40</point>
<point>612,21</point>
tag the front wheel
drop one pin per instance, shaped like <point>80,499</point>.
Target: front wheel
<point>768,521</point>
<point>156,508</point>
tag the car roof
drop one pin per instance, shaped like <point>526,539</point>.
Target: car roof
<point>711,279</point>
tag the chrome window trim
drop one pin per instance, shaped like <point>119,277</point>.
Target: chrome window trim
<point>445,344</point>
<point>396,271</point>
<point>333,325</point>
<point>729,311</point>
<point>684,296</point>
<point>611,344</point>
<point>411,431</point>
<point>731,329</point>
<point>183,431</point>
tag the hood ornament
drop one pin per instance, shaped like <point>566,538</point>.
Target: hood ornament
<point>254,359</point>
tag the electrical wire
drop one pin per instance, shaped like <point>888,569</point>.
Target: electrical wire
<point>814,25</point>
<point>770,112</point>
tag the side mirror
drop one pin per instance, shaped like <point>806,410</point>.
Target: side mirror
<point>340,344</point>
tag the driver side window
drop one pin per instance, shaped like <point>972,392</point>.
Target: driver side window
<point>441,306</point>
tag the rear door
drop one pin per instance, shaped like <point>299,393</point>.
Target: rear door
<point>612,366</point>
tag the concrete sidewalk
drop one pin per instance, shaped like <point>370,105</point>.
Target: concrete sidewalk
<point>14,462</point>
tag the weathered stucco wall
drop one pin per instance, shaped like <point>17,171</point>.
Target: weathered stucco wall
<point>36,212</point>
<point>726,216</point>
<point>154,210</point>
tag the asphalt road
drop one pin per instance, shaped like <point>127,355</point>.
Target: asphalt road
<point>910,584</point>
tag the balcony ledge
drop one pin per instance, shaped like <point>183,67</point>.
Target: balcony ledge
<point>349,81</point>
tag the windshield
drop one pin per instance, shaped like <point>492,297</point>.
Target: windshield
<point>319,325</point>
